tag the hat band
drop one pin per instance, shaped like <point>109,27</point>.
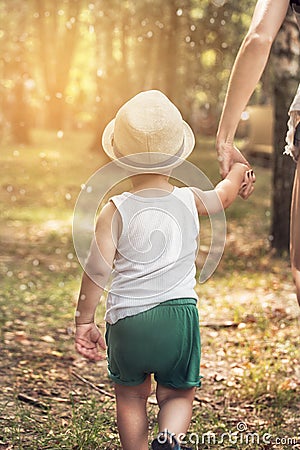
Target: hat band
<point>166,163</point>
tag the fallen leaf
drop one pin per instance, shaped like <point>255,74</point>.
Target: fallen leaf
<point>48,339</point>
<point>288,385</point>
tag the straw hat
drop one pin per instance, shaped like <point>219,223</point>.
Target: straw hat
<point>148,133</point>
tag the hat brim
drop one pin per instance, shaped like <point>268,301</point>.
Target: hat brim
<point>171,160</point>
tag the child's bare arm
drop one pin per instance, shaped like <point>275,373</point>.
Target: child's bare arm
<point>98,267</point>
<point>94,280</point>
<point>225,192</point>
<point>229,188</point>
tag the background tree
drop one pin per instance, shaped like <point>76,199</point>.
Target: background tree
<point>286,78</point>
<point>15,71</point>
<point>57,34</point>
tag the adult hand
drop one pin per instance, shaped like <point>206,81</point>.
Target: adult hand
<point>89,341</point>
<point>228,154</point>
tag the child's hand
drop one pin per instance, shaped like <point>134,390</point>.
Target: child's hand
<point>247,187</point>
<point>88,341</point>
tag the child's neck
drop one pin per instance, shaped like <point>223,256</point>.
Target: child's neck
<point>151,181</point>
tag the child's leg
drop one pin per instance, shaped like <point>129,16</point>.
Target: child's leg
<point>175,409</point>
<point>132,415</point>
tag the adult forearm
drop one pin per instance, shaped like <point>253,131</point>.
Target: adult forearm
<point>247,70</point>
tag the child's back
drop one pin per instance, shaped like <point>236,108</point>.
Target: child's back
<point>155,258</point>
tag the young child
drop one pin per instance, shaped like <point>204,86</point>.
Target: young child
<point>149,237</point>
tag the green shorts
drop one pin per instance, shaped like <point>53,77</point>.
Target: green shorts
<point>164,340</point>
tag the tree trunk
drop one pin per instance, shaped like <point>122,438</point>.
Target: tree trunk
<point>171,51</point>
<point>107,83</point>
<point>286,54</point>
<point>19,113</point>
<point>57,43</point>
<point>283,171</point>
<point>16,113</point>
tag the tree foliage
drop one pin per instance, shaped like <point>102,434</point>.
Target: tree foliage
<point>76,61</point>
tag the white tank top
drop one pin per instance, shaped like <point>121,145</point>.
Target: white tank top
<point>156,250</point>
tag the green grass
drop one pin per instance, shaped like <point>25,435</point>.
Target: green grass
<point>250,369</point>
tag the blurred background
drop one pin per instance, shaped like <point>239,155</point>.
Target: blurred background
<point>66,66</point>
<point>69,64</point>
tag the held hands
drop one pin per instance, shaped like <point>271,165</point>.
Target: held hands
<point>228,154</point>
<point>89,341</point>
